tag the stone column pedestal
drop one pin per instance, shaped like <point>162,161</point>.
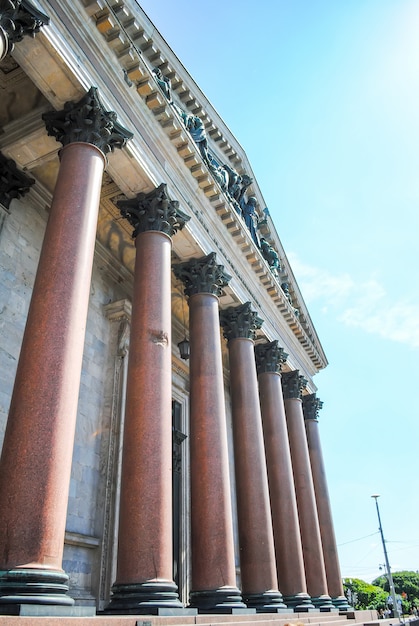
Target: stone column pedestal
<point>213,564</point>
<point>289,554</point>
<point>311,407</point>
<point>257,552</point>
<point>144,581</point>
<point>306,501</point>
<point>37,451</point>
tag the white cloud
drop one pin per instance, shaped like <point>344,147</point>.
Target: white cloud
<point>360,304</point>
<point>397,321</point>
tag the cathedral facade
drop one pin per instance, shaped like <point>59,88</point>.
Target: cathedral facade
<point>158,407</point>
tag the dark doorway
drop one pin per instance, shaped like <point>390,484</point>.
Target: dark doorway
<point>178,437</point>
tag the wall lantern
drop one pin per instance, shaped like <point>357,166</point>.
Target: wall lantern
<point>184,349</point>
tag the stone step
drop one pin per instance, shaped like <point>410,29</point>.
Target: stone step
<point>363,618</point>
<point>281,619</point>
<point>314,618</point>
<point>263,620</point>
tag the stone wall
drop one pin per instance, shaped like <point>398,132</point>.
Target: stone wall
<point>21,234</point>
<point>86,503</point>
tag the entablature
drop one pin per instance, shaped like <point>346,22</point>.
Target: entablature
<point>140,48</point>
<point>150,158</point>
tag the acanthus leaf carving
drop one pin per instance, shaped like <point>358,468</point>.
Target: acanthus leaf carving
<point>269,357</point>
<point>240,321</point>
<point>202,275</point>
<point>153,211</point>
<point>87,121</point>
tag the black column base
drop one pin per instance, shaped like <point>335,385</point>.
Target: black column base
<point>222,600</point>
<point>323,603</point>
<point>265,602</point>
<point>341,603</point>
<point>144,598</point>
<point>299,603</point>
<point>34,586</point>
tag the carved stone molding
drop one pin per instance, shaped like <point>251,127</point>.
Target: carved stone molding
<point>153,211</point>
<point>178,438</point>
<point>240,321</point>
<point>119,314</point>
<point>202,275</point>
<point>13,182</point>
<point>293,384</point>
<point>17,19</point>
<point>118,311</point>
<point>81,540</point>
<point>311,407</point>
<point>88,122</point>
<point>269,357</point>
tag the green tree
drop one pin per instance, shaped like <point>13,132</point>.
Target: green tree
<point>406,584</point>
<point>364,595</point>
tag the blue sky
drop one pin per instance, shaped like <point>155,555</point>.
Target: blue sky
<point>323,95</point>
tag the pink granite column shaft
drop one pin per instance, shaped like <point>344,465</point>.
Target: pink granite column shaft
<point>213,563</point>
<point>257,551</point>
<point>289,553</point>
<point>144,581</point>
<point>37,450</point>
<point>36,459</point>
<point>306,500</point>
<point>212,539</point>
<point>311,406</point>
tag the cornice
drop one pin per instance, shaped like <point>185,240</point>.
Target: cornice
<point>139,48</point>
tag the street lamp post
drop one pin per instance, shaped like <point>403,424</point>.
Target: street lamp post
<point>390,577</point>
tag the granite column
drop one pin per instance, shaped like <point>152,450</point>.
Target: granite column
<point>144,580</point>
<point>213,564</point>
<point>293,384</point>
<point>257,551</point>
<point>311,407</point>
<point>289,553</point>
<point>37,451</point>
